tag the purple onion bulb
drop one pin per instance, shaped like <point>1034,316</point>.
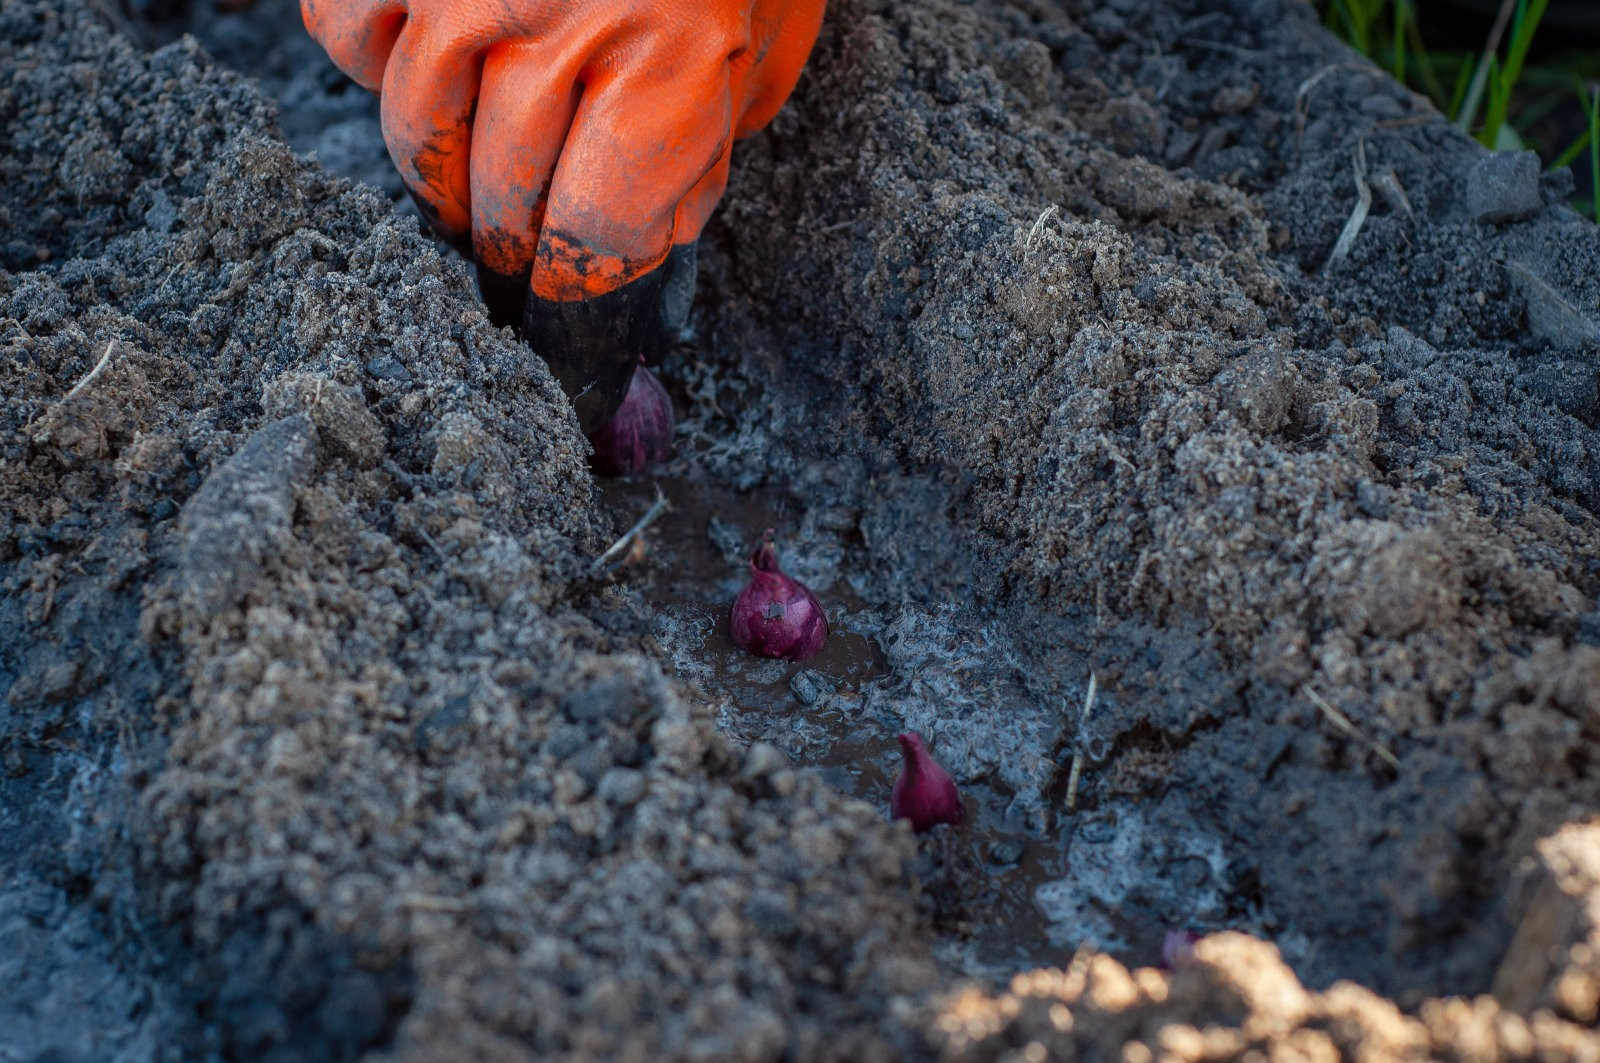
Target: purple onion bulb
<point>925,794</point>
<point>639,434</point>
<point>776,615</point>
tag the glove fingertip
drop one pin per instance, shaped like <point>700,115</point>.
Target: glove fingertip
<point>592,345</point>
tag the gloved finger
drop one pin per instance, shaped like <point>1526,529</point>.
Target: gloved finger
<point>526,100</point>
<point>429,89</point>
<point>782,33</point>
<point>641,142</point>
<point>358,35</point>
<point>697,205</point>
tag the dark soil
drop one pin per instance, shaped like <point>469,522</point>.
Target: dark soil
<point>1026,330</point>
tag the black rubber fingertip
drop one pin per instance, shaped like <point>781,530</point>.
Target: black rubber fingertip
<point>504,297</point>
<point>593,345</point>
<point>680,272</point>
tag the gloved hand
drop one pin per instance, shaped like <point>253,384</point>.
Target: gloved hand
<point>573,143</point>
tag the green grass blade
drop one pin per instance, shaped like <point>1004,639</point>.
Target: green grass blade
<point>1361,26</point>
<point>1494,116</point>
<point>1570,155</point>
<point>1467,113</point>
<point>1457,97</point>
<point>1527,25</point>
<point>1594,146</point>
<point>1524,28</point>
<point>1480,75</point>
<point>1402,10</point>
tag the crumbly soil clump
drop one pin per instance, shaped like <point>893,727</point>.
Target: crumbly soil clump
<point>323,738</point>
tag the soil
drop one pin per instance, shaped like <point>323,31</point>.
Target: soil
<point>1032,332</point>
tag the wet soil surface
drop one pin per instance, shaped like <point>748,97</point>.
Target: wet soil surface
<point>1046,359</point>
<point>840,710</point>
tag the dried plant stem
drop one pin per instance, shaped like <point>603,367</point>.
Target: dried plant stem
<point>90,377</point>
<point>1077,757</point>
<point>616,549</point>
<point>1342,722</point>
<point>1358,213</point>
<point>1302,98</point>
<point>1480,77</point>
<point>1027,245</point>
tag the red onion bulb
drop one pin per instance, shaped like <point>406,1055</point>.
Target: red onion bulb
<point>776,615</point>
<point>925,794</point>
<point>639,434</point>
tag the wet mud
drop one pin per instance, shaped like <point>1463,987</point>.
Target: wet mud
<point>838,712</point>
<point>323,737</point>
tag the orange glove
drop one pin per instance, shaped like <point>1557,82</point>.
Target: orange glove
<point>574,142</point>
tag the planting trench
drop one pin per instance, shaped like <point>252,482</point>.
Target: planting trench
<point>1032,351</point>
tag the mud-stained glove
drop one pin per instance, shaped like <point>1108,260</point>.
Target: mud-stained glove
<point>573,145</point>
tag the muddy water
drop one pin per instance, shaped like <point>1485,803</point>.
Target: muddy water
<point>834,713</point>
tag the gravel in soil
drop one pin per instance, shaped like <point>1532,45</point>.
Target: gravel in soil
<point>320,737</point>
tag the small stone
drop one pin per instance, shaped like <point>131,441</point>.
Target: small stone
<point>388,367</point>
<point>162,215</point>
<point>591,762</point>
<point>570,787</point>
<point>1558,185</point>
<point>811,686</point>
<point>621,787</point>
<point>1372,500</point>
<point>763,759</point>
<point>60,681</point>
<point>1503,186</point>
<point>565,741</point>
<point>627,750</point>
<point>1006,852</point>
